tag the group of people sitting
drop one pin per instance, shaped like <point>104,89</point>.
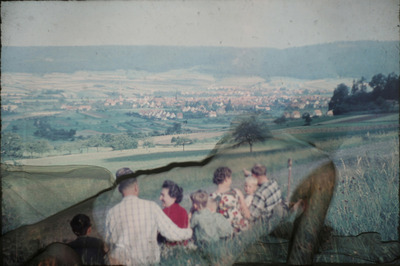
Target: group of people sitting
<point>135,228</point>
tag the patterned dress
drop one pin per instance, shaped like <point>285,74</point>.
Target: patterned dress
<point>229,207</point>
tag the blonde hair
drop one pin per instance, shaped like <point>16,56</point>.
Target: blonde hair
<point>200,197</point>
<point>251,180</point>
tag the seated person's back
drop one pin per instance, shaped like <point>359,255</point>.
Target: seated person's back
<point>208,226</point>
<point>90,249</point>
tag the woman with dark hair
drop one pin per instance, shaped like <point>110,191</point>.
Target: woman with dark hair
<point>231,202</point>
<point>171,195</point>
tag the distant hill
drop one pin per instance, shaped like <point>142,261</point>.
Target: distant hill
<point>340,59</point>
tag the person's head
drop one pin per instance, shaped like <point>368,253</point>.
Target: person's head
<point>81,225</point>
<point>127,186</point>
<point>212,204</point>
<point>170,193</point>
<point>259,171</point>
<point>222,175</point>
<point>250,185</point>
<point>199,199</point>
<point>123,172</point>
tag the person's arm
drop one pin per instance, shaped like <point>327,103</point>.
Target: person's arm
<point>193,220</point>
<point>168,228</point>
<point>243,207</point>
<point>190,217</point>
<point>246,172</point>
<point>185,219</point>
<point>256,207</point>
<point>109,244</point>
<point>108,240</point>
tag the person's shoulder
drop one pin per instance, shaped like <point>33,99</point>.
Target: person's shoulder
<point>180,208</point>
<point>239,192</point>
<point>219,218</point>
<point>113,210</point>
<point>121,204</point>
<point>201,213</point>
<point>94,240</point>
<point>233,192</point>
<point>196,216</point>
<point>275,184</point>
<point>268,184</point>
<point>148,203</point>
<point>263,189</point>
<point>74,243</point>
<point>217,215</point>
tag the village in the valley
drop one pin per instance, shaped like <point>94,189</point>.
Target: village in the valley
<point>151,98</point>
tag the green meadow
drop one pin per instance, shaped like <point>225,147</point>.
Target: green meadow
<point>364,149</point>
<point>366,159</point>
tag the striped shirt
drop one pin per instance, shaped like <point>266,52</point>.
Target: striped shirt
<point>131,231</point>
<point>267,196</point>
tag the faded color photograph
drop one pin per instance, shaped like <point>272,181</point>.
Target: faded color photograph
<point>200,132</point>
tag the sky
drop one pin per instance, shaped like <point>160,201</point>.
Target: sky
<point>238,23</point>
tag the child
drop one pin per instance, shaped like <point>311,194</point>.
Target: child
<point>207,226</point>
<point>90,249</point>
<point>250,186</point>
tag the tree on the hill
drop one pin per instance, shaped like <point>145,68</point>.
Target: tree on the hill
<point>40,147</point>
<point>307,119</point>
<point>281,120</point>
<point>249,131</point>
<point>123,142</point>
<point>339,94</point>
<point>391,86</point>
<point>359,86</point>
<point>148,144</point>
<point>183,141</point>
<point>176,128</point>
<point>383,98</point>
<point>377,84</point>
<point>95,141</point>
<point>44,130</point>
<point>229,106</point>
<point>11,145</point>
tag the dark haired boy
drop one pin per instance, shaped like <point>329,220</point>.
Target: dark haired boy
<point>90,249</point>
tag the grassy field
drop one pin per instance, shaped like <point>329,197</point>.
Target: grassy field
<point>366,197</point>
<point>136,159</point>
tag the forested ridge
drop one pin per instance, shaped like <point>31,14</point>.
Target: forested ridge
<point>382,97</point>
<point>331,60</point>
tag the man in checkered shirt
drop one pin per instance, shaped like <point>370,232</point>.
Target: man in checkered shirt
<point>132,226</point>
<point>267,197</point>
